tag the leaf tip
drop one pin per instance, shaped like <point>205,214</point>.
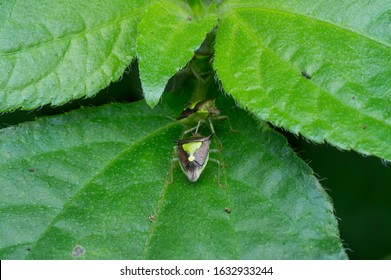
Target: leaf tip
<point>151,102</point>
<point>152,97</point>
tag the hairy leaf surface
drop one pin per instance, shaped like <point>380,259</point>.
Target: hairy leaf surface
<point>56,51</point>
<point>321,70</point>
<point>92,184</point>
<point>168,34</point>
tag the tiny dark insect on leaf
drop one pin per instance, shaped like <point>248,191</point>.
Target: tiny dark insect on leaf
<point>32,169</point>
<point>306,75</point>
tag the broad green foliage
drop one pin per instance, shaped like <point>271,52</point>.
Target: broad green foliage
<point>95,179</point>
<point>317,69</point>
<point>56,51</point>
<point>168,34</point>
<point>321,70</point>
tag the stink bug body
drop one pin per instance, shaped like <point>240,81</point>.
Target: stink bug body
<point>193,155</point>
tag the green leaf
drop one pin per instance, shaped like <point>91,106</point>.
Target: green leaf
<point>322,70</point>
<point>168,34</point>
<point>56,51</point>
<point>91,184</point>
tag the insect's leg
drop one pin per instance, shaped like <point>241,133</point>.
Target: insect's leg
<point>219,168</point>
<point>211,126</point>
<point>225,117</point>
<point>171,170</point>
<point>192,129</point>
<point>214,134</point>
<point>188,131</point>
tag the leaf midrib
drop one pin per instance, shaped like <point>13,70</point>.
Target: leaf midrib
<point>99,173</point>
<point>70,36</point>
<point>157,214</point>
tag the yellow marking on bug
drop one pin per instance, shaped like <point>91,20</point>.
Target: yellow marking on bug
<point>191,158</point>
<point>192,147</point>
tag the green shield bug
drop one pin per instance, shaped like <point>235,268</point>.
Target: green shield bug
<point>201,111</point>
<point>197,111</point>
